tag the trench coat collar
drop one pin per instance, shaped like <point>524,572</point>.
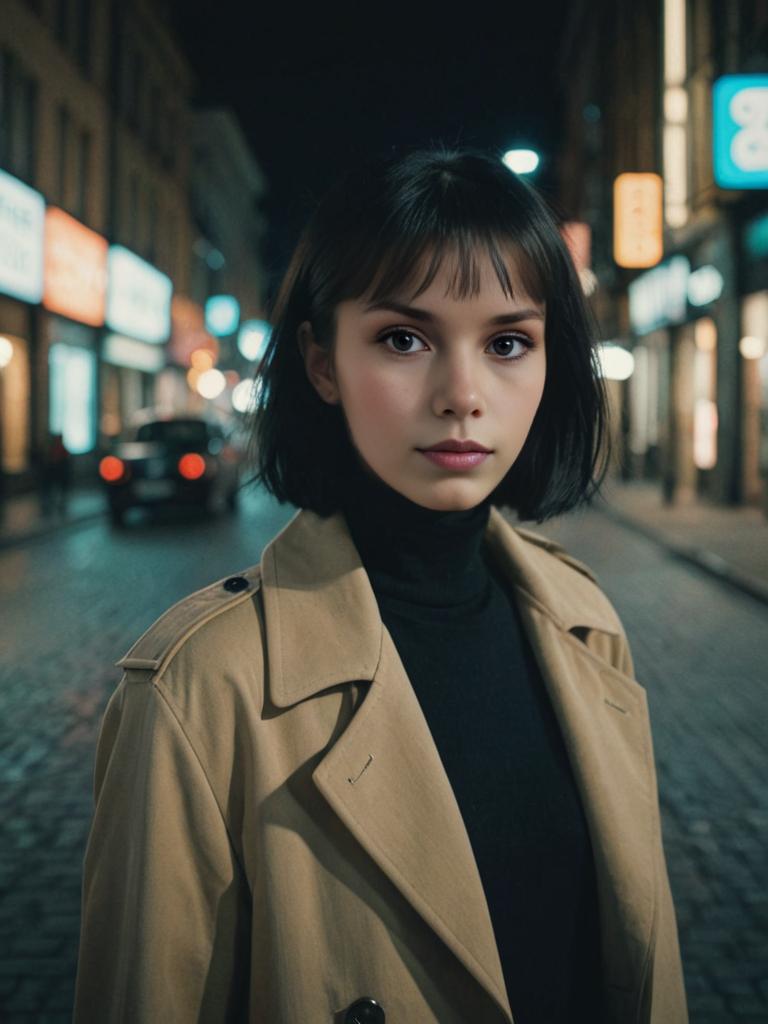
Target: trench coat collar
<point>383,777</point>
<point>315,644</point>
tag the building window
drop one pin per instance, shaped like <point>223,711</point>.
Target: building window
<point>6,107</point>
<point>63,151</point>
<point>83,173</point>
<point>62,22</point>
<point>26,141</point>
<point>84,13</point>
<point>173,242</point>
<point>152,217</point>
<point>169,144</point>
<point>18,118</point>
<point>132,234</point>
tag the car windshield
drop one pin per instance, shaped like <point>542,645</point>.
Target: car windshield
<point>174,432</point>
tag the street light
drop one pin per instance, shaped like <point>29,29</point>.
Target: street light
<point>521,161</point>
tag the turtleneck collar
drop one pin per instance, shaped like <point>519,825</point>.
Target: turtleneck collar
<point>414,554</point>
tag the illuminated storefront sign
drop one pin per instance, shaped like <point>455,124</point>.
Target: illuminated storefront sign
<point>660,297</point>
<point>740,131</point>
<point>75,281</point>
<point>637,220</point>
<point>138,355</point>
<point>22,215</point>
<point>138,297</point>
<point>222,315</point>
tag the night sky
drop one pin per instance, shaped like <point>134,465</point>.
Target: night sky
<point>317,88</point>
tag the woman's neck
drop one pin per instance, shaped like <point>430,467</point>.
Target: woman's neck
<point>412,553</point>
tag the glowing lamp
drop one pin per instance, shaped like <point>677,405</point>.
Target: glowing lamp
<point>245,396</point>
<point>211,383</point>
<point>751,347</point>
<point>616,363</point>
<point>521,161</point>
<point>252,339</point>
<point>222,315</point>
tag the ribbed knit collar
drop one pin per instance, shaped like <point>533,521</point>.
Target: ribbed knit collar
<point>412,554</point>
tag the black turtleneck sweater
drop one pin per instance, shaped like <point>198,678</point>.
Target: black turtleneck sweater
<point>456,627</point>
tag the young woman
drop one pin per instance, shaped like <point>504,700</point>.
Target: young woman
<point>399,771</point>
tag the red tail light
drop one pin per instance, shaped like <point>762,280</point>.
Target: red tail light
<point>112,469</point>
<point>191,466</point>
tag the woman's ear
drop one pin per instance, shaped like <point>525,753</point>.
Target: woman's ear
<point>318,364</point>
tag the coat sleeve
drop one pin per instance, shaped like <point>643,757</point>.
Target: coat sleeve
<point>165,918</point>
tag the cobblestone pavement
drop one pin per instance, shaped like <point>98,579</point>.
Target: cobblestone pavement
<point>701,651</point>
<point>72,604</point>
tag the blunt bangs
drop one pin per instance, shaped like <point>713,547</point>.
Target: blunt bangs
<point>383,231</point>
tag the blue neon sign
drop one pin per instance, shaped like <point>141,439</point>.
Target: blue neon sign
<point>740,131</point>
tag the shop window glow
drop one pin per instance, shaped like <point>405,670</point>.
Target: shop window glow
<point>6,352</point>
<point>72,396</point>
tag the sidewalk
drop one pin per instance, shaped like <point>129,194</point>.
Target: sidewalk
<point>22,519</point>
<point>728,542</point>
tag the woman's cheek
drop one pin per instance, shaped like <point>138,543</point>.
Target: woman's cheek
<point>380,395</point>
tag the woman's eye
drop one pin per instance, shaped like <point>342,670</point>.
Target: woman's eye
<point>504,345</point>
<point>401,341</point>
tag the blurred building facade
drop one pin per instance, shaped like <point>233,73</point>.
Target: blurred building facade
<point>100,229</point>
<point>639,78</point>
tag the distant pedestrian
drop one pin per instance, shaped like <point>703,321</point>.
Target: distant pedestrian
<point>401,770</point>
<point>55,476</point>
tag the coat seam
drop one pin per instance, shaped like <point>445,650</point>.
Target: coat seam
<point>173,711</point>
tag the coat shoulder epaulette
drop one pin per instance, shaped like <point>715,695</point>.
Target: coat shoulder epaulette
<point>158,644</point>
<point>557,550</point>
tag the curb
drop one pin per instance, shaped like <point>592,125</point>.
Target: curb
<point>705,560</point>
<point>18,539</point>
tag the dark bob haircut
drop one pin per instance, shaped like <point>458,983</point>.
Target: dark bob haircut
<point>369,237</point>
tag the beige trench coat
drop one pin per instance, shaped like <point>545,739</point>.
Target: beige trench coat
<point>275,836</point>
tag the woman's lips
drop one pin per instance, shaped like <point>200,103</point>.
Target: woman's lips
<point>456,460</point>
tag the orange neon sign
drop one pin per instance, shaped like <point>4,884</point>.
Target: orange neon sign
<point>638,220</point>
<point>75,269</point>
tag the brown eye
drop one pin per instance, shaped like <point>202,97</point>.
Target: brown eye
<point>505,346</point>
<point>401,342</point>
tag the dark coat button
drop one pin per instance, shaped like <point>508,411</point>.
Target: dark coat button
<point>365,1011</point>
<point>235,584</point>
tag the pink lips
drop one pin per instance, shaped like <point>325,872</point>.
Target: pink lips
<point>456,460</point>
<point>453,454</point>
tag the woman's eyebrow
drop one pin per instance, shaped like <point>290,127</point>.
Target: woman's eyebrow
<point>512,317</point>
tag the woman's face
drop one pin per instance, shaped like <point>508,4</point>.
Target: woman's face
<point>414,373</point>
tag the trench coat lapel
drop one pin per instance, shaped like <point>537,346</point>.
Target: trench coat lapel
<point>383,776</point>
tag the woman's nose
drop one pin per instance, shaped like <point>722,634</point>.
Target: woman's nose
<point>456,391</point>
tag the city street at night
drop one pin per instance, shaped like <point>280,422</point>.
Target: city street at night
<point>403,265</point>
<point>75,601</point>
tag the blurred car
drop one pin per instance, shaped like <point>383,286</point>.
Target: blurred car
<point>172,460</point>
